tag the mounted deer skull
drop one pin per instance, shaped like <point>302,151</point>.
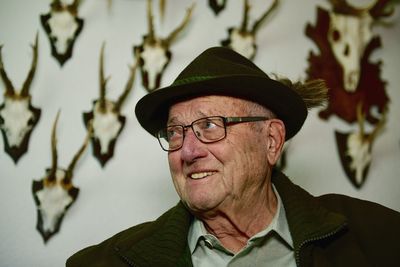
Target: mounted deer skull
<point>349,34</point>
<point>154,54</point>
<point>18,117</point>
<point>62,26</point>
<point>106,118</point>
<point>217,5</point>
<point>355,148</point>
<point>345,41</point>
<point>54,193</point>
<point>242,39</point>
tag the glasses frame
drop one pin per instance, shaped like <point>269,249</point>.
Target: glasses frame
<point>227,121</point>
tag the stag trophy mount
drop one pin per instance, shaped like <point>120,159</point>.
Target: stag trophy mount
<point>154,52</point>
<point>242,39</point>
<point>62,26</point>
<point>54,193</point>
<point>355,148</point>
<point>105,117</point>
<point>18,117</point>
<point>345,40</point>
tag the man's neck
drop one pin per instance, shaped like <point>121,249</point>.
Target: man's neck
<point>235,225</point>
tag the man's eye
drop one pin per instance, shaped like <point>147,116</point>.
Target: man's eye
<point>170,134</point>
<point>173,133</point>
<point>207,124</point>
<point>210,124</point>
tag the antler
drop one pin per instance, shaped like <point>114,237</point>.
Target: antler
<point>185,21</point>
<point>341,6</point>
<point>162,9</point>
<point>245,21</point>
<point>264,16</point>
<point>103,81</point>
<point>25,88</point>
<point>150,38</point>
<point>73,8</point>
<point>56,5</point>
<point>69,173</point>
<point>52,173</point>
<point>128,87</point>
<point>381,9</point>
<point>361,120</point>
<point>376,10</point>
<point>10,91</point>
<point>378,127</point>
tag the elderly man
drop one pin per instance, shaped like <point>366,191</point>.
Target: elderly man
<point>223,123</point>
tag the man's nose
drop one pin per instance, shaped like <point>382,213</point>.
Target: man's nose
<point>192,148</point>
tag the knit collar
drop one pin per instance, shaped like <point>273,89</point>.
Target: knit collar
<point>308,220</point>
<point>164,242</point>
<point>159,243</point>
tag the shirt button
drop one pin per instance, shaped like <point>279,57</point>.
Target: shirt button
<point>208,244</point>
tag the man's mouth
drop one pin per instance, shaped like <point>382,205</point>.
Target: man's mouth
<point>200,175</point>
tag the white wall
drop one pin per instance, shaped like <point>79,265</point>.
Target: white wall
<point>135,185</point>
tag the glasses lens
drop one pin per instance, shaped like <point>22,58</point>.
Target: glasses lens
<point>171,137</point>
<point>209,129</point>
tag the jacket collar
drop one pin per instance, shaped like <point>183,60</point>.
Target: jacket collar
<point>308,220</point>
<point>159,243</point>
<point>164,242</point>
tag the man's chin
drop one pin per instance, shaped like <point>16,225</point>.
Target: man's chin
<point>202,208</point>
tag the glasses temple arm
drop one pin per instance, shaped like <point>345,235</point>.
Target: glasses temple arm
<point>245,119</point>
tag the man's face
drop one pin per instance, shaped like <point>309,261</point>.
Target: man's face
<point>225,174</point>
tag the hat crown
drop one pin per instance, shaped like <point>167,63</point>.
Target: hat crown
<point>222,71</point>
<point>218,62</point>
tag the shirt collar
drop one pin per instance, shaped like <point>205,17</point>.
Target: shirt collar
<point>196,231</point>
<point>278,224</point>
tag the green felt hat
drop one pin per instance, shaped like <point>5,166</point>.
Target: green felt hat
<point>222,71</point>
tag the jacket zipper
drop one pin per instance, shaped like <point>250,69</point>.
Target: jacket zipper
<point>124,258</point>
<point>297,254</point>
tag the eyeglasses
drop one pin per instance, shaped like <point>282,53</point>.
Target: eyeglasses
<point>207,130</point>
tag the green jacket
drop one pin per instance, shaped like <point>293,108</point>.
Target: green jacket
<point>330,230</point>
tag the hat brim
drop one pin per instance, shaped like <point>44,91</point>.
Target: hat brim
<point>152,110</point>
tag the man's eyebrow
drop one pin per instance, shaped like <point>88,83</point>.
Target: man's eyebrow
<point>175,120</point>
<point>172,120</point>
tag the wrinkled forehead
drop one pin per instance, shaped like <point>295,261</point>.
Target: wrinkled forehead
<point>210,105</point>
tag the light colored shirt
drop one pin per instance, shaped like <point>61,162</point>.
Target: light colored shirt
<point>273,246</point>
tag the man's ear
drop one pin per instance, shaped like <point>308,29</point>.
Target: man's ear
<point>276,139</point>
